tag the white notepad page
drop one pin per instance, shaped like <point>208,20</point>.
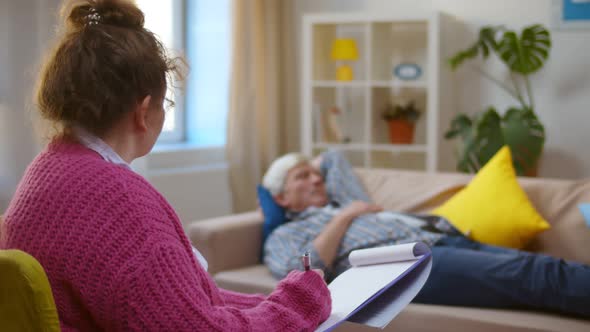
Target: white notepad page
<point>355,286</point>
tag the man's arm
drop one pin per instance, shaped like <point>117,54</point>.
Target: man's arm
<point>284,247</point>
<point>342,183</point>
<point>328,242</point>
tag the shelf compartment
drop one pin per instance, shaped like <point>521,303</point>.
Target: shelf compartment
<point>324,68</point>
<point>394,43</point>
<point>338,115</point>
<point>381,96</point>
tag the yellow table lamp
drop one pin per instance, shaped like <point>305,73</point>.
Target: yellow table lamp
<point>344,49</point>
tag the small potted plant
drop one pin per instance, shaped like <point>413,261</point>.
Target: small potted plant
<point>401,120</point>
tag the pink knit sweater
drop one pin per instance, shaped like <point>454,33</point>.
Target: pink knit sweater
<point>118,260</point>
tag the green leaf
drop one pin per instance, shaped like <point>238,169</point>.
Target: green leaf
<point>487,39</point>
<point>485,44</point>
<point>460,126</point>
<point>488,132</point>
<point>488,135</point>
<point>461,56</point>
<point>525,135</point>
<point>527,54</point>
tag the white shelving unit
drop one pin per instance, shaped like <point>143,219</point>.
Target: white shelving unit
<point>383,41</point>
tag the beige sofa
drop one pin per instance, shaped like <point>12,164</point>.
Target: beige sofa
<point>232,246</point>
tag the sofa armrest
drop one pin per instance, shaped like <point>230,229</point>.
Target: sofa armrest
<point>228,242</point>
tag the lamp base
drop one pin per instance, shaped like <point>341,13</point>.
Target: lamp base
<point>344,73</point>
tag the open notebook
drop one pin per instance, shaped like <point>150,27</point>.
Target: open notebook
<point>380,283</point>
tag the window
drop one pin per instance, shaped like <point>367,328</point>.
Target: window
<point>160,18</point>
<point>201,30</point>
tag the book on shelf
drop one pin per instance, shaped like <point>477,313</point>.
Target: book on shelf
<point>379,285</point>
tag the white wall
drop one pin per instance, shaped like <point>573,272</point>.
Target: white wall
<point>561,89</point>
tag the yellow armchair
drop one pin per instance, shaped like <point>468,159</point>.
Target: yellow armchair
<point>26,300</point>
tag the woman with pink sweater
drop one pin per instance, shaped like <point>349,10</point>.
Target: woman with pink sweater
<point>113,248</point>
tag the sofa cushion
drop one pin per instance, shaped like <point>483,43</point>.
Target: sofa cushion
<point>493,208</point>
<point>228,242</point>
<point>251,279</point>
<point>557,201</point>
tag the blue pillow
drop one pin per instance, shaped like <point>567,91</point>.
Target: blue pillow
<point>274,214</point>
<point>585,209</point>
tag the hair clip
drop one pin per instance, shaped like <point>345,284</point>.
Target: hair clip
<point>93,17</point>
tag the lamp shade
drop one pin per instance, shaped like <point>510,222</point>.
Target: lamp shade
<point>344,49</point>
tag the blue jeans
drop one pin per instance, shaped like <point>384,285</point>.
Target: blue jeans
<point>467,273</point>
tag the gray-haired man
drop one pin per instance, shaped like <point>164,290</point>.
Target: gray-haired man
<point>330,214</point>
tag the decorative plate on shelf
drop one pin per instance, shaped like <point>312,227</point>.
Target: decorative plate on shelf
<point>407,71</point>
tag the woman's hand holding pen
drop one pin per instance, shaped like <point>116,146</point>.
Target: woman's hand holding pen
<point>306,261</point>
<point>318,271</point>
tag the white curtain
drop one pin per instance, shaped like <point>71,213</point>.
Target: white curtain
<point>254,136</point>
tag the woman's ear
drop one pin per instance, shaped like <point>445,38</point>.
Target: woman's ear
<point>140,113</point>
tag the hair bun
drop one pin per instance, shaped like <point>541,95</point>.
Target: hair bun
<point>123,13</point>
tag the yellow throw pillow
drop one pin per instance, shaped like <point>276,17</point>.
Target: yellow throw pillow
<point>493,208</point>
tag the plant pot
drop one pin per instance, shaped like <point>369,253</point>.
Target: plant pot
<point>401,132</point>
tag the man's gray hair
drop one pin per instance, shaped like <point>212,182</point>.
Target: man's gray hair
<point>274,179</point>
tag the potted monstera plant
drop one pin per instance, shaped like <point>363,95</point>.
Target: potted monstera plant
<point>483,134</point>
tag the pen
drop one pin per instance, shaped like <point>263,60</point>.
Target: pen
<point>306,261</point>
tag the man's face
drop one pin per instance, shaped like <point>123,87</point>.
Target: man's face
<point>304,187</point>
